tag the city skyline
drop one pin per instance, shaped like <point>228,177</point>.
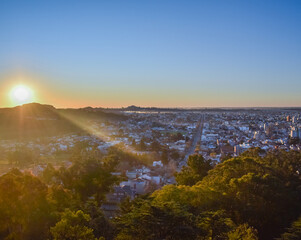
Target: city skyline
<point>171,54</point>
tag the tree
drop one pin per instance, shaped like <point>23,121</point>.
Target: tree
<point>174,154</point>
<point>101,226</point>
<point>232,201</point>
<point>84,151</point>
<point>214,225</point>
<point>261,190</point>
<point>177,136</point>
<point>155,146</point>
<point>134,143</point>
<point>22,156</point>
<point>150,221</point>
<point>243,232</point>
<point>110,162</point>
<point>62,198</point>
<point>73,226</point>
<point>293,232</point>
<point>142,145</point>
<point>159,218</point>
<point>48,174</point>
<point>25,212</point>
<point>265,196</point>
<point>197,168</point>
<point>91,178</point>
<point>164,156</point>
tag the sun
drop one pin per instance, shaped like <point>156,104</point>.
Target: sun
<point>21,94</point>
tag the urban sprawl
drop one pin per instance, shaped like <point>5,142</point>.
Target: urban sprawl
<point>164,140</point>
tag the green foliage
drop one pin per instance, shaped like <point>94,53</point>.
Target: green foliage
<point>254,196</point>
<point>131,158</point>
<point>22,156</point>
<point>48,174</point>
<point>73,226</point>
<point>142,145</point>
<point>24,209</point>
<point>197,168</point>
<point>263,191</point>
<point>164,156</point>
<point>90,178</point>
<point>174,154</point>
<point>61,198</point>
<point>150,221</point>
<point>28,207</point>
<point>198,197</point>
<point>151,218</point>
<point>176,137</point>
<point>253,153</point>
<point>134,143</point>
<point>214,225</point>
<point>256,193</point>
<point>294,232</point>
<point>85,151</point>
<point>102,227</point>
<point>155,146</point>
<point>243,232</point>
<point>110,162</point>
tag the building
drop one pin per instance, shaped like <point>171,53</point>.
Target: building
<point>294,132</point>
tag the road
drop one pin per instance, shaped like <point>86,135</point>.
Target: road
<point>196,138</point>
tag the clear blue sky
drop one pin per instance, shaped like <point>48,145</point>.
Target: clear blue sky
<point>153,53</point>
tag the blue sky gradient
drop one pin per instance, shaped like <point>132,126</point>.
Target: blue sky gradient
<point>153,53</point>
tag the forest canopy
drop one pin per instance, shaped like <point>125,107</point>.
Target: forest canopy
<point>253,196</point>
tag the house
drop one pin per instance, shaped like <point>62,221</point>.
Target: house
<point>111,207</point>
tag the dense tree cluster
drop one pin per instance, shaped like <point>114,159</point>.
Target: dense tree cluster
<point>197,168</point>
<point>60,204</point>
<point>248,197</point>
<point>254,196</point>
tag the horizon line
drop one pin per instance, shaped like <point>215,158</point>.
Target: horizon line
<point>155,107</point>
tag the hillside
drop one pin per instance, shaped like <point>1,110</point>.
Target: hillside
<point>37,120</point>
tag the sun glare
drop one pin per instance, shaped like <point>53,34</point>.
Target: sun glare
<point>21,94</point>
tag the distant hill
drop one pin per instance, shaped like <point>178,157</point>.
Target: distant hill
<point>37,120</point>
<point>203,109</point>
